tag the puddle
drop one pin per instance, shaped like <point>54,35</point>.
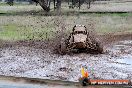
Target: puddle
<point>125,42</point>
<point>12,82</point>
<point>38,63</point>
<point>126,59</point>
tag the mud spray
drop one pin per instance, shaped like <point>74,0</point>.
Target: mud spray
<point>61,31</point>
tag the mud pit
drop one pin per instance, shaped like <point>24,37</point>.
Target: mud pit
<point>22,61</point>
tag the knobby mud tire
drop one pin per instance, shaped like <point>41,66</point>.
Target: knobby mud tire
<point>99,48</point>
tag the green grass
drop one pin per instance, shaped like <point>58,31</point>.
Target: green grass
<point>2,12</point>
<point>99,14</point>
<point>10,32</point>
<point>14,4</point>
<point>3,4</point>
<point>122,14</point>
<point>118,14</point>
<point>13,32</point>
<point>17,26</point>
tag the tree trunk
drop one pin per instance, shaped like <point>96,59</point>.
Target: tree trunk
<point>79,4</point>
<point>48,3</point>
<point>58,6</point>
<point>54,4</point>
<point>88,4</point>
<point>44,5</point>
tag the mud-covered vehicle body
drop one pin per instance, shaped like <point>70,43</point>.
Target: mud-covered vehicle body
<point>80,40</point>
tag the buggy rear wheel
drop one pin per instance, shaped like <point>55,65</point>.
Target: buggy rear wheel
<point>99,47</point>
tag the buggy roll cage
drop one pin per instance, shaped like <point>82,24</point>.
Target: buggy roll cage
<point>78,32</point>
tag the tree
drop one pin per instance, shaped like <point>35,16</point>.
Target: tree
<point>78,3</point>
<point>45,4</point>
<point>10,2</point>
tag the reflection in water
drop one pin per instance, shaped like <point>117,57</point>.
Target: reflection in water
<point>10,84</point>
<point>126,59</point>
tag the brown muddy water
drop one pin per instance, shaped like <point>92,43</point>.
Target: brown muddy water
<point>23,61</point>
<point>16,82</point>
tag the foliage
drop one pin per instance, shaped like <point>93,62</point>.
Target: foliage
<point>45,4</point>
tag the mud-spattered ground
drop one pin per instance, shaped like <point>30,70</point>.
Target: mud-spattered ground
<point>23,61</point>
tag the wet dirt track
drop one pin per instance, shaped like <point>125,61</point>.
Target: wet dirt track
<point>41,63</point>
